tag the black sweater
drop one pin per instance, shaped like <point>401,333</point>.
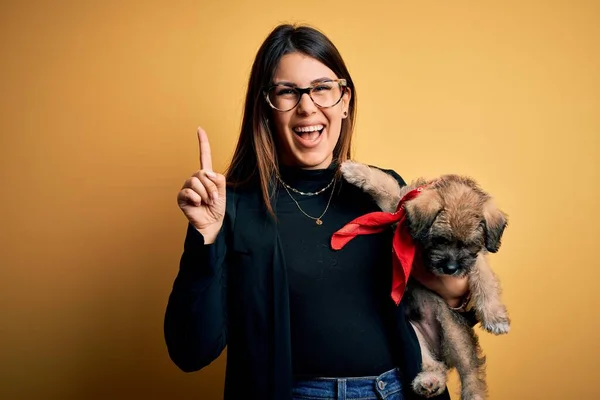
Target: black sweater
<point>340,306</point>
<point>236,293</point>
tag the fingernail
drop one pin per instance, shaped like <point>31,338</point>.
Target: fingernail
<point>211,174</point>
<point>215,196</point>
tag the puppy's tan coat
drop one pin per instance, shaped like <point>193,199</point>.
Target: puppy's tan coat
<point>455,224</point>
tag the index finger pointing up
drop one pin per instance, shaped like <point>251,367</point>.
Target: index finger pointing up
<point>205,156</point>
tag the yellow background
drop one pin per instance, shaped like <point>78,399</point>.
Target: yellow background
<point>99,105</point>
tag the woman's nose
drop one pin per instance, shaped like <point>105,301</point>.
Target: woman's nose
<point>306,105</point>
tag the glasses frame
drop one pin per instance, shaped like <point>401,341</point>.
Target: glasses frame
<point>342,83</point>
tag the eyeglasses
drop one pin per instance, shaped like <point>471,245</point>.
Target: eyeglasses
<point>324,94</point>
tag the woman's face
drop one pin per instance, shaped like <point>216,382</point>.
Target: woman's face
<point>307,134</point>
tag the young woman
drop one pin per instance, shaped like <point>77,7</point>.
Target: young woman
<point>257,272</point>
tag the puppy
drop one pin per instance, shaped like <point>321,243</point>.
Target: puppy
<point>454,225</point>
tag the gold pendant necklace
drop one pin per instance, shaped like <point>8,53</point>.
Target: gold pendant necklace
<point>318,220</point>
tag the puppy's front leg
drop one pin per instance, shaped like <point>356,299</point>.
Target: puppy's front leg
<point>485,292</point>
<point>382,187</point>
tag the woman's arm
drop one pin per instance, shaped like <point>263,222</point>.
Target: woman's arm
<point>195,325</point>
<point>452,289</point>
<point>455,291</point>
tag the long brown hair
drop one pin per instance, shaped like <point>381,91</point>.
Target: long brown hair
<point>255,158</point>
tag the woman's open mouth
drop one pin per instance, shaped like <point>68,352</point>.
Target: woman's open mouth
<point>309,135</point>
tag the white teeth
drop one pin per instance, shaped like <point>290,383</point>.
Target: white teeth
<point>308,128</point>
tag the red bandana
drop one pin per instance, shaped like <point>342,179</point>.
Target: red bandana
<point>403,247</point>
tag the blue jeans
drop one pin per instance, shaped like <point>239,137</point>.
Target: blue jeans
<point>385,386</point>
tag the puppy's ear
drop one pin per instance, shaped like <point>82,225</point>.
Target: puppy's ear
<point>421,212</point>
<point>495,220</point>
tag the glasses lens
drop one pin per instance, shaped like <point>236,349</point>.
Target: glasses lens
<point>326,94</point>
<point>283,98</point>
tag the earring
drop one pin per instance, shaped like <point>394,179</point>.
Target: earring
<point>345,113</point>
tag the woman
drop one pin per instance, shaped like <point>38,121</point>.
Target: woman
<point>257,273</point>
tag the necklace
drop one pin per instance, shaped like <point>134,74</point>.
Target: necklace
<point>318,219</point>
<point>306,193</point>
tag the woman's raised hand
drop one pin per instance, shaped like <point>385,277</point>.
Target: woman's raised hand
<point>202,197</point>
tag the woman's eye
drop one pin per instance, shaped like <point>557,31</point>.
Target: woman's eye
<point>321,88</point>
<point>285,92</point>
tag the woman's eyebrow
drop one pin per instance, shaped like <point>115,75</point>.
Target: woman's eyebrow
<point>292,84</point>
<point>324,79</point>
<point>285,83</point>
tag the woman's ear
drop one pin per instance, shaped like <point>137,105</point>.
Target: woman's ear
<point>346,102</point>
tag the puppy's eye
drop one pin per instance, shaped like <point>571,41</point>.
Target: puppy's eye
<point>474,251</point>
<point>439,240</point>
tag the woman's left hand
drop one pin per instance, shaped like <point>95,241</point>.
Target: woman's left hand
<point>450,288</point>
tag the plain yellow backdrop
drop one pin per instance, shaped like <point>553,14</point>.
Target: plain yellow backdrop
<point>99,103</point>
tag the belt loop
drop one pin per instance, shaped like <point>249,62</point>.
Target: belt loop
<point>341,389</point>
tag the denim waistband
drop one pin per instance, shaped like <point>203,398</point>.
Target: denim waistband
<point>385,386</point>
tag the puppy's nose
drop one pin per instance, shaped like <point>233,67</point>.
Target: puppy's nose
<point>451,267</point>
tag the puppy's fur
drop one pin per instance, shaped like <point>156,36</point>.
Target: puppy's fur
<point>454,225</point>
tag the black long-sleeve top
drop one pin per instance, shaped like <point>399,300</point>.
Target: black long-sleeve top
<point>341,313</point>
<point>249,291</point>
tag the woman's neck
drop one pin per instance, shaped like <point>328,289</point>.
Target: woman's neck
<point>307,179</point>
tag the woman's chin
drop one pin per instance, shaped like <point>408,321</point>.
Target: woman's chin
<point>313,161</point>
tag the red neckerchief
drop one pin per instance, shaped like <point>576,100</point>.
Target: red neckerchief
<point>403,247</point>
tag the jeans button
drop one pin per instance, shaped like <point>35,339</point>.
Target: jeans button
<point>381,385</point>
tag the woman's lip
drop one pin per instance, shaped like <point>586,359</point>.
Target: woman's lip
<point>309,144</point>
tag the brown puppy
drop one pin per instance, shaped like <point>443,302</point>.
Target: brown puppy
<point>454,225</point>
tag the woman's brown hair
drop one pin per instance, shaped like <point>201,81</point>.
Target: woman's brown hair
<point>255,158</point>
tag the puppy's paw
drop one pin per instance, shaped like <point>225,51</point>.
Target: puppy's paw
<point>429,384</point>
<point>355,173</point>
<point>498,325</point>
<point>494,318</point>
<point>500,328</point>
